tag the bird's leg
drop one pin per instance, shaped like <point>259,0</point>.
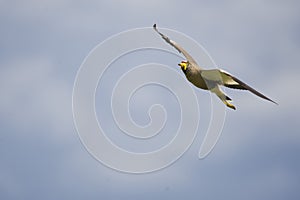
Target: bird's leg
<point>225,99</point>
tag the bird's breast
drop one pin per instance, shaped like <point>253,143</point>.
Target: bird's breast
<point>196,79</point>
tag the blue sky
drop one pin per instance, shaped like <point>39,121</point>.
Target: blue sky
<point>42,46</point>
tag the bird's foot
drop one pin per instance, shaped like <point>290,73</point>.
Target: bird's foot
<point>230,105</point>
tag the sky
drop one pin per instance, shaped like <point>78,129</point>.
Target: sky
<point>44,43</point>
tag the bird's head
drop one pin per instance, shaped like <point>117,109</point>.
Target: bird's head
<point>184,64</point>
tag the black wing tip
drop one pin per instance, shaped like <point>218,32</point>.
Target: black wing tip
<point>162,35</point>
<point>275,102</point>
<point>270,100</point>
<point>155,28</point>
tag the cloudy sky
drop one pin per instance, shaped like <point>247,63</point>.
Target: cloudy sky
<point>44,43</point>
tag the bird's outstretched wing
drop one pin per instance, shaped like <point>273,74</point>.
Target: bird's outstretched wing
<point>224,78</point>
<point>189,58</point>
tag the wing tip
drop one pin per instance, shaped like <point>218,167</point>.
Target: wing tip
<point>267,98</point>
<point>155,27</point>
<point>274,102</point>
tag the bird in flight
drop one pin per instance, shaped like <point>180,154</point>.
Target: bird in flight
<point>210,79</point>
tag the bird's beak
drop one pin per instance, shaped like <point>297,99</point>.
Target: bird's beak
<point>183,65</point>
